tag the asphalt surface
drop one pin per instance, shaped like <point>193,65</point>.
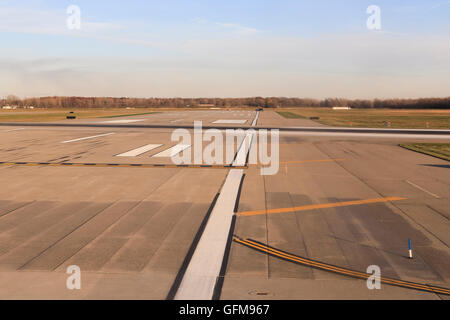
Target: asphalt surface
<point>133,230</point>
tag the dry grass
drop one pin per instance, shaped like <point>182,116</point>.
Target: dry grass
<point>44,115</point>
<point>438,150</point>
<point>376,118</point>
<point>290,115</point>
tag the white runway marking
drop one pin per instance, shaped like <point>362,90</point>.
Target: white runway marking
<point>122,121</point>
<point>173,121</point>
<point>255,121</point>
<point>230,121</point>
<point>172,151</point>
<point>203,270</point>
<point>10,130</point>
<point>86,138</point>
<point>139,151</point>
<point>201,275</point>
<point>422,189</point>
<point>241,157</point>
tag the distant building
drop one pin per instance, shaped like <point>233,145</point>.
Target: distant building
<point>342,108</point>
<point>7,107</point>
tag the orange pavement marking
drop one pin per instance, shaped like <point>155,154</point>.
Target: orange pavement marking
<point>328,267</point>
<point>319,206</point>
<point>308,161</point>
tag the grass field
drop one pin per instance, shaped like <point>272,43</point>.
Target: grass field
<point>39,115</point>
<point>129,115</point>
<point>416,119</point>
<point>47,115</point>
<point>374,118</point>
<point>438,150</point>
<point>290,115</point>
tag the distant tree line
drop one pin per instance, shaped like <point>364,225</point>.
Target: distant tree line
<point>271,102</point>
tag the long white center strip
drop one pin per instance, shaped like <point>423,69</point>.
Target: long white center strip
<point>87,138</point>
<point>201,275</point>
<point>255,121</point>
<point>139,151</point>
<point>172,151</point>
<point>241,156</point>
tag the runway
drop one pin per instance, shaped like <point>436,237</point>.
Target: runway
<point>132,221</point>
<point>316,131</point>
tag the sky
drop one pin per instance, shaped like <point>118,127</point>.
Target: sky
<point>233,48</point>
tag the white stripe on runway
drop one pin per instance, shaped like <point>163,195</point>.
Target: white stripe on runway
<point>422,189</point>
<point>201,275</point>
<point>139,151</point>
<point>230,121</point>
<point>203,270</point>
<point>10,130</point>
<point>172,151</point>
<point>122,121</point>
<point>255,121</point>
<point>241,157</point>
<point>86,138</point>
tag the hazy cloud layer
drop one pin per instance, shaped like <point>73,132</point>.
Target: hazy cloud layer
<point>225,59</point>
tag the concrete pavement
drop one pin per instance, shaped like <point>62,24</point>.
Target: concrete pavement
<point>130,230</point>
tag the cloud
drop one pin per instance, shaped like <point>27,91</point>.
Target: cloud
<point>26,20</point>
<point>440,4</point>
<point>241,30</point>
<point>235,27</point>
<point>32,21</point>
<point>199,20</point>
<point>210,60</point>
<point>358,66</point>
